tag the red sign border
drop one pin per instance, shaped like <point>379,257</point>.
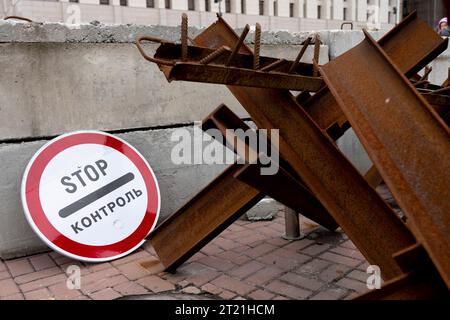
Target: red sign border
<point>39,221</point>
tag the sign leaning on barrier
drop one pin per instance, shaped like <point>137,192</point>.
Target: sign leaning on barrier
<point>90,196</point>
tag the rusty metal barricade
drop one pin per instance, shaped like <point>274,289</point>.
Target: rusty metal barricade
<point>403,125</point>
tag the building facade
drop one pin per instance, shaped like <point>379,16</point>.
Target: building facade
<point>274,15</point>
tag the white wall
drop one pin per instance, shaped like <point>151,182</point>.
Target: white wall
<point>137,13</point>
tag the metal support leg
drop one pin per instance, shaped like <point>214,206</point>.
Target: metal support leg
<point>292,225</point>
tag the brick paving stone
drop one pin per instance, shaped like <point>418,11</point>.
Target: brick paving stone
<point>227,295</point>
<point>218,264</point>
<point>19,266</point>
<point>300,281</point>
<point>225,244</point>
<point>358,275</point>
<point>193,268</point>
<point>333,272</point>
<point>234,257</point>
<point>81,298</point>
<point>355,254</point>
<point>130,288</point>
<point>39,294</point>
<point>2,266</point>
<point>240,234</point>
<point>41,262</point>
<point>363,266</point>
<point>99,275</point>
<point>264,275</point>
<point>260,250</point>
<point>233,285</point>
<point>37,275</point>
<point>16,296</point>
<point>83,269</point>
<point>348,244</point>
<point>293,292</point>
<point>261,295</point>
<point>267,231</point>
<point>62,260</point>
<point>211,249</point>
<point>8,287</point>
<point>191,290</point>
<point>278,227</point>
<point>283,263</point>
<point>156,284</point>
<point>4,275</point>
<point>246,269</point>
<point>197,256</point>
<point>250,239</point>
<point>352,284</point>
<point>131,257</point>
<point>340,259</point>
<point>103,284</point>
<point>256,243</point>
<point>330,294</point>
<point>298,245</point>
<point>210,288</point>
<point>277,241</point>
<point>60,291</point>
<point>280,298</point>
<point>133,270</point>
<point>93,267</point>
<point>312,267</point>
<point>234,228</point>
<point>241,248</point>
<point>281,252</point>
<point>315,249</point>
<point>105,294</point>
<point>44,282</point>
<point>351,296</point>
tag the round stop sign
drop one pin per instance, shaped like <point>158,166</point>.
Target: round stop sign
<point>90,196</point>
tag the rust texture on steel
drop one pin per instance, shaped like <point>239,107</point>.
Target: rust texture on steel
<point>419,281</point>
<point>17,18</point>
<point>207,65</point>
<point>412,44</point>
<point>357,208</point>
<point>184,37</point>
<point>405,138</point>
<point>202,218</point>
<point>281,186</point>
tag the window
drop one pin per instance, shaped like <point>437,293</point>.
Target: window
<point>331,13</point>
<point>291,10</point>
<point>73,0</point>
<point>124,3</point>
<point>227,6</point>
<point>191,5</point>
<point>168,4</point>
<point>207,6</point>
<point>150,3</point>
<point>105,2</point>
<point>304,10</point>
<point>275,8</point>
<point>243,5</point>
<point>261,8</point>
<point>319,12</point>
<point>345,13</point>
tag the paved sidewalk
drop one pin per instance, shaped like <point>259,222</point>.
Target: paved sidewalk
<point>249,260</point>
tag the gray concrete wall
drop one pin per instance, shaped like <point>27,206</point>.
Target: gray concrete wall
<point>56,79</point>
<point>178,183</point>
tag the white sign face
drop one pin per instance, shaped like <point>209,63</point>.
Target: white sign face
<point>90,196</point>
